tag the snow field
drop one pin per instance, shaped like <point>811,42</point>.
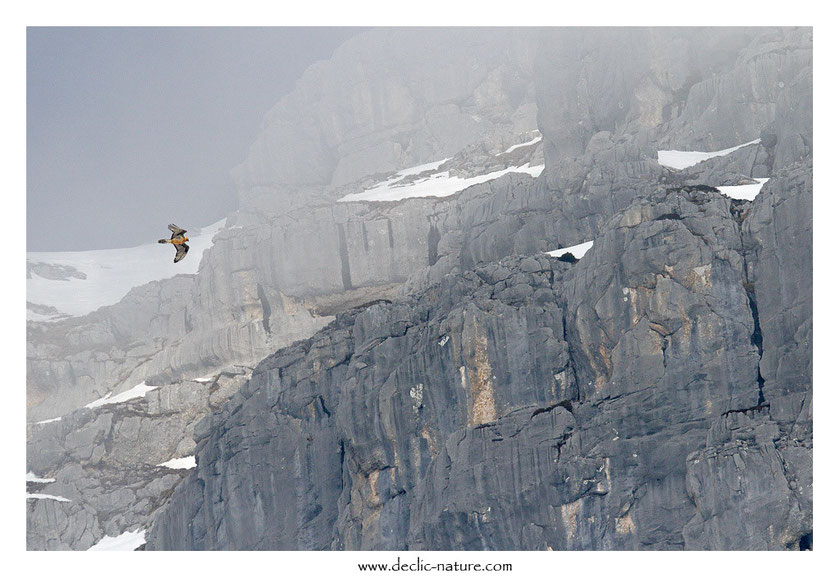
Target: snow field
<point>127,541</point>
<point>111,273</point>
<point>577,250</point>
<point>436,185</point>
<point>683,159</point>
<point>139,390</point>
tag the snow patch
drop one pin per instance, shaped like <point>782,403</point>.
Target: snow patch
<point>745,192</point>
<point>127,541</point>
<point>411,171</point>
<point>577,251</point>
<point>45,497</point>
<point>525,144</point>
<point>30,477</point>
<point>184,463</point>
<point>534,171</point>
<point>436,185</point>
<point>139,390</point>
<point>110,273</point>
<point>683,159</point>
<point>32,316</point>
<point>48,420</point>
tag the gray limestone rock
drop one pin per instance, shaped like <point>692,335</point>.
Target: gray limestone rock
<point>48,271</point>
<point>525,404</point>
<point>779,244</point>
<point>660,89</point>
<point>105,461</point>
<point>455,387</point>
<point>422,95</point>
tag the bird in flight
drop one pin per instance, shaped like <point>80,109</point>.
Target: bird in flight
<point>179,240</point>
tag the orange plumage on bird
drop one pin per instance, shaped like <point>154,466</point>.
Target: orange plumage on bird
<point>179,239</point>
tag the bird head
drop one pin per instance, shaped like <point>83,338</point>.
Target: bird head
<point>186,238</point>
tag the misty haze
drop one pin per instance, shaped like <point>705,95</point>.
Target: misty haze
<point>419,289</point>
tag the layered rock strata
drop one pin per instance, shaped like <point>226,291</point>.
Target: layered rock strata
<point>654,395</point>
<point>529,404</point>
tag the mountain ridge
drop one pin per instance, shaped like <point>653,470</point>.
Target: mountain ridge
<point>699,270</point>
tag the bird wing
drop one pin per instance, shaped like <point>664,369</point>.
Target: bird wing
<point>176,231</point>
<point>181,251</point>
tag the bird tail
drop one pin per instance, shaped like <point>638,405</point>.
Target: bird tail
<point>163,240</point>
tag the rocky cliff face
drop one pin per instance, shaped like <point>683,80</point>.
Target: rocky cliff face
<point>272,278</point>
<point>528,404</point>
<point>386,100</point>
<point>277,271</point>
<point>654,395</point>
<point>609,99</point>
<point>107,463</point>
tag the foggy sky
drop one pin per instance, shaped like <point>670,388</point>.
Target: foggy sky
<point>129,129</point>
